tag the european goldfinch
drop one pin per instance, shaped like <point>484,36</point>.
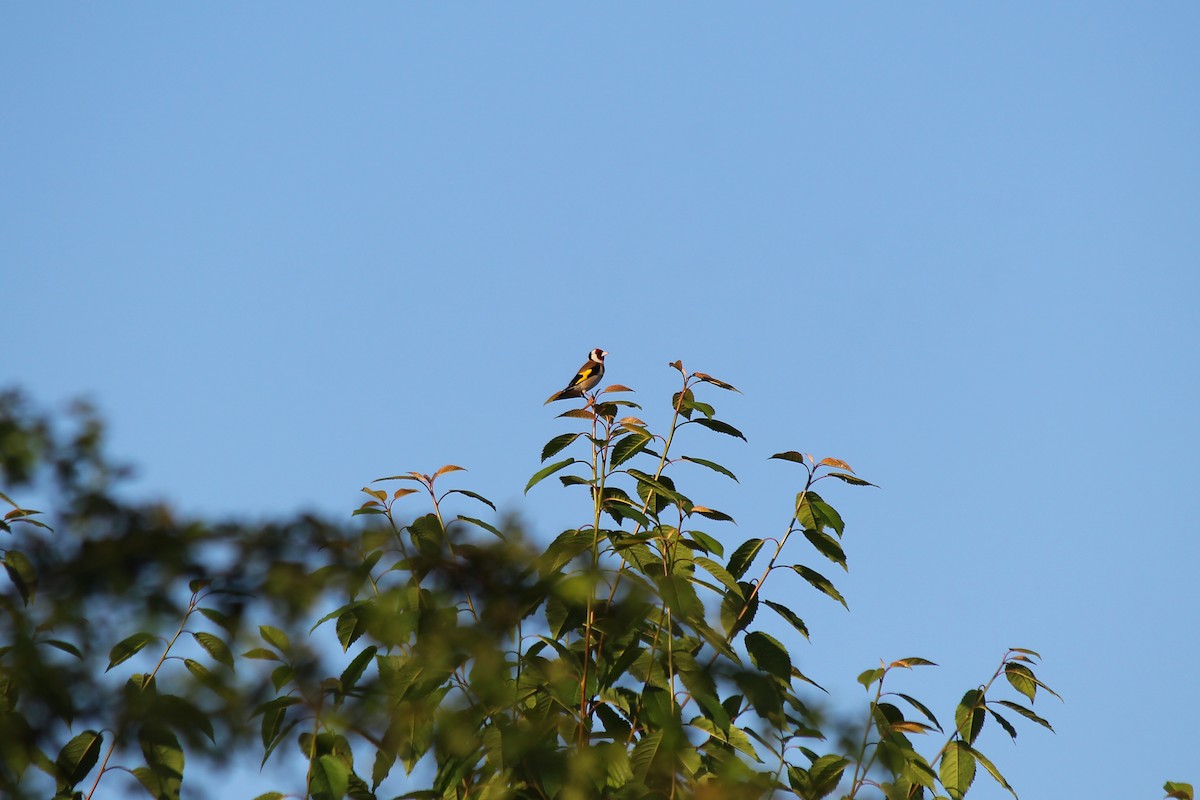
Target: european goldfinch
<point>586,379</point>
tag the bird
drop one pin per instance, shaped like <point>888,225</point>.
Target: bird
<point>585,379</point>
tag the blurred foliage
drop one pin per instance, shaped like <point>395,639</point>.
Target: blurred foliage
<point>628,658</point>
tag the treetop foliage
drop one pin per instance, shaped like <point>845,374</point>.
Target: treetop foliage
<point>412,652</point>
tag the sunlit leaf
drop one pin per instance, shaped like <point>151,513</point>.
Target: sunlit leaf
<point>274,637</point>
<point>449,468</point>
<point>868,677</point>
<point>834,462</point>
<point>912,661</point>
<point>1021,678</point>
<point>329,777</point>
<point>615,387</point>
<point>712,513</point>
<point>715,382</point>
<point>577,413</point>
<point>957,769</point>
<point>969,715</point>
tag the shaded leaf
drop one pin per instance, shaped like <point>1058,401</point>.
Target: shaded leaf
<point>1027,714</point>
<point>547,472</point>
<point>558,443</point>
<point>78,756</point>
<point>827,546</point>
<point>791,455</point>
<point>819,582</point>
<point>628,446</point>
<point>853,480</point>
<point>769,655</point>
<point>214,647</point>
<point>995,773</point>
<point>473,496</point>
<point>720,427</point>
<point>790,616</point>
<point>127,648</point>
<point>743,556</point>
<point>714,466</point>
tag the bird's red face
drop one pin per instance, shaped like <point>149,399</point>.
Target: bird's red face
<point>597,355</point>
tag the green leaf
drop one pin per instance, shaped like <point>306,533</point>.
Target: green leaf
<point>547,472</point>
<point>492,529</point>
<point>912,661</point>
<point>270,796</point>
<point>819,582</point>
<point>220,619</point>
<point>1183,791</point>
<point>78,756</point>
<point>743,556</point>
<point>706,543</point>
<point>1022,679</point>
<point>737,612</point>
<point>127,648</point>
<point>330,777</point>
<point>162,776</point>
<point>827,546</point>
<point>350,626</point>
<point>719,426</point>
<point>628,446</point>
<point>769,655</point>
<point>868,677</point>
<point>473,496</point>
<point>1008,726</point>
<point>66,647</point>
<point>995,773</point>
<point>712,513</point>
<point>714,466</point>
<point>20,570</point>
<point>969,716</point>
<point>384,761</point>
<point>261,654</point>
<point>957,769</point>
<point>356,667</point>
<point>644,754</point>
<point>790,616</point>
<point>919,706</point>
<point>1027,714</point>
<point>215,648</point>
<point>853,480</point>
<point>720,573</point>
<point>274,637</point>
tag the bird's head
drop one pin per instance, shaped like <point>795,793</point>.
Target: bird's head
<point>597,355</point>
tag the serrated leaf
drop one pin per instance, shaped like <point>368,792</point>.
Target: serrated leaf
<point>995,773</point>
<point>720,427</point>
<point>547,472</point>
<point>912,661</point>
<point>868,677</point>
<point>384,761</point>
<point>329,776</point>
<point>706,543</point>
<point>644,753</point>
<point>1021,678</point>
<point>486,526</point>
<point>712,513</point>
<point>714,466</point>
<point>1026,713</point>
<point>350,626</point>
<point>919,706</point>
<point>790,616</point>
<point>473,496</point>
<point>957,770</point>
<point>274,637</point>
<point>78,756</point>
<point>720,573</point>
<point>1008,726</point>
<point>628,446</point>
<point>827,546</point>
<point>819,582</point>
<point>558,443</point>
<point>853,480</point>
<point>969,715</point>
<point>20,570</point>
<point>743,557</point>
<point>128,647</point>
<point>834,462</point>
<point>769,655</point>
<point>356,667</point>
<point>715,382</point>
<point>214,647</point>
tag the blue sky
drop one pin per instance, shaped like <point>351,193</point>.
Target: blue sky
<point>290,248</point>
